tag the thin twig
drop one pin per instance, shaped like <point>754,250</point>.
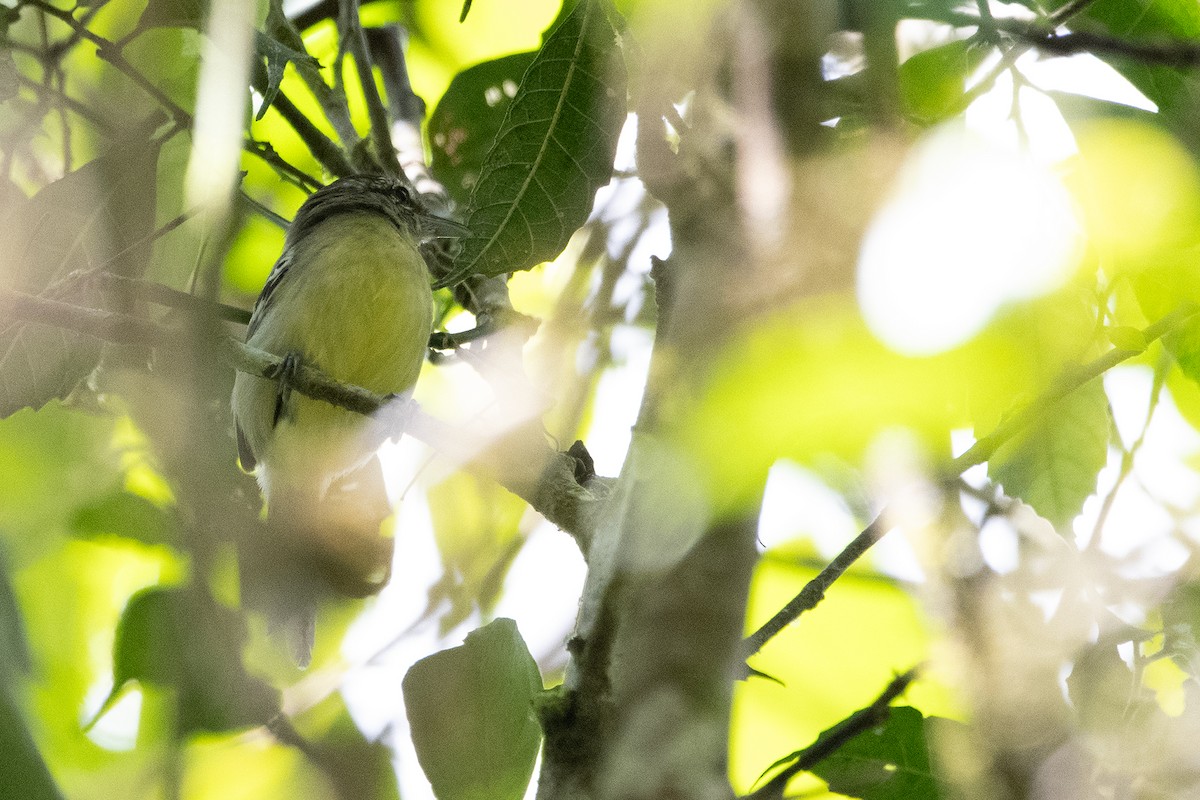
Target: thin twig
<point>356,43</point>
<point>814,591</point>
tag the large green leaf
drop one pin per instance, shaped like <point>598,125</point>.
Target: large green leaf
<point>1175,91</point>
<point>554,150</point>
<point>1052,466</point>
<point>472,717</point>
<point>464,126</point>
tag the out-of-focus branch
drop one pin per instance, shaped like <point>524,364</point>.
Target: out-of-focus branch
<point>521,463</point>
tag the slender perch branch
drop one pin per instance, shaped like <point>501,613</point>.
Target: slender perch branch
<point>521,463</point>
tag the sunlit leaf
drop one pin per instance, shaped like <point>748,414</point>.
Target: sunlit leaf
<point>554,150</point>
<point>1052,466</point>
<point>471,711</point>
<point>467,119</point>
<point>933,82</point>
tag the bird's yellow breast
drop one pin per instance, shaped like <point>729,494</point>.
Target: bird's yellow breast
<point>356,304</point>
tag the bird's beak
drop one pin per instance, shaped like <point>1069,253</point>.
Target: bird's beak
<point>435,227</point>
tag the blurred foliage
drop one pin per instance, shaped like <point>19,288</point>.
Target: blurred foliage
<point>139,588</point>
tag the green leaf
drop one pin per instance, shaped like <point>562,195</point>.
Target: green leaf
<point>14,649</point>
<point>177,637</point>
<point>471,711</point>
<point>1053,465</point>
<point>173,14</point>
<point>554,151</point>
<point>890,762</point>
<point>933,82</point>
<point>24,773</point>
<point>277,55</point>
<point>1173,90</point>
<point>464,126</point>
<point>477,527</point>
<point>120,513</point>
<point>92,218</point>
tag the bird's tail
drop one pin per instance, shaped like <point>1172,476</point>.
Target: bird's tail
<point>323,547</point>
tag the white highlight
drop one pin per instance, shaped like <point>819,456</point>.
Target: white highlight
<point>220,103</point>
<point>970,227</point>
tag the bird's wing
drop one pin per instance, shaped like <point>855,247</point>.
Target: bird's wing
<point>278,273</point>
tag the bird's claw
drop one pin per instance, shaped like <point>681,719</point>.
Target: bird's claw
<point>285,376</point>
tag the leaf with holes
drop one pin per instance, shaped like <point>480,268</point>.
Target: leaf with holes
<point>1052,466</point>
<point>554,150</point>
<point>468,118</point>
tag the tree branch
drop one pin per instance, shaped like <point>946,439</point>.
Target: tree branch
<point>1175,53</point>
<point>350,27</point>
<point>523,464</point>
<point>814,591</point>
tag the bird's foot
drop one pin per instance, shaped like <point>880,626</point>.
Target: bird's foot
<point>285,376</point>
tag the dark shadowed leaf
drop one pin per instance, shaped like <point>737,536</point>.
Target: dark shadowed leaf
<point>471,711</point>
<point>173,14</point>
<point>1053,465</point>
<point>179,638</point>
<point>14,649</point>
<point>555,149</point>
<point>23,773</point>
<point>277,55</point>
<point>463,127</point>
<point>890,762</point>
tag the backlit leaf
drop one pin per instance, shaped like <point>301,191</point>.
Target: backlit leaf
<point>1052,466</point>
<point>92,218</point>
<point>554,150</point>
<point>471,711</point>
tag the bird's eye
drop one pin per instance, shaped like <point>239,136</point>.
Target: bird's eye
<point>402,194</point>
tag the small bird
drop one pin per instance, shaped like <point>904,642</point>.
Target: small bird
<point>349,296</point>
